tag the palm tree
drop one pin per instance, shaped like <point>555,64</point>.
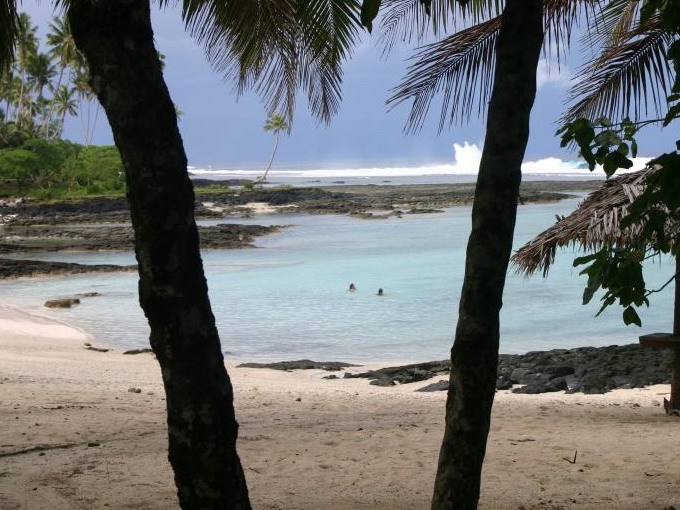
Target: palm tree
<point>63,48</point>
<point>274,47</point>
<point>63,104</point>
<point>628,77</point>
<point>275,123</point>
<point>458,67</point>
<point>26,47</point>
<point>40,72</point>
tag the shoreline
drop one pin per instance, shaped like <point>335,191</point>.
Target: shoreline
<point>75,435</point>
<point>102,224</point>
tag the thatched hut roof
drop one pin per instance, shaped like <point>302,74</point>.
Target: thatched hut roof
<point>595,223</point>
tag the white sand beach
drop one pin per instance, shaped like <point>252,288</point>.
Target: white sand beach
<point>74,436</point>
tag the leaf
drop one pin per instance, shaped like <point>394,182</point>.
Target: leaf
<point>630,316</point>
<point>578,261</point>
<point>615,160</point>
<point>673,113</point>
<point>369,10</point>
<point>589,292</point>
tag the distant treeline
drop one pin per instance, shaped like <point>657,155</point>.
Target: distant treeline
<point>58,168</point>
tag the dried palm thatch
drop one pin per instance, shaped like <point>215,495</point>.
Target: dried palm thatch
<point>595,223</point>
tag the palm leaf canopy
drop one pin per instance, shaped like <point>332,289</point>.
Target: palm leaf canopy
<point>627,75</point>
<point>278,47</point>
<point>459,68</point>
<point>630,76</point>
<point>275,47</point>
<point>595,223</point>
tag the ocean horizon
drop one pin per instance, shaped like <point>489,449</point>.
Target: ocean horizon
<point>462,168</point>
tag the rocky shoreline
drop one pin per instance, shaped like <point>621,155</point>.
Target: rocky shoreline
<point>103,224</point>
<point>590,370</point>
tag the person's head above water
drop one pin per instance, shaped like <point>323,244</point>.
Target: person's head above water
<point>380,291</point>
<point>352,286</point>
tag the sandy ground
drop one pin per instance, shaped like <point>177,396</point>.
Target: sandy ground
<point>73,436</point>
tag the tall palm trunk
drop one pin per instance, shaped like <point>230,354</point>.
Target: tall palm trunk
<point>117,41</point>
<point>271,159</point>
<point>474,355</point>
<point>53,104</point>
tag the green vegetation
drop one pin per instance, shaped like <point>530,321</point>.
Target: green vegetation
<point>38,91</point>
<point>60,169</point>
<point>618,271</point>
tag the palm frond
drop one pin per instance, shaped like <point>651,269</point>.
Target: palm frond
<point>460,67</point>
<point>611,24</point>
<point>560,18</point>
<point>278,47</point>
<point>626,77</point>
<point>8,32</point>
<point>407,20</point>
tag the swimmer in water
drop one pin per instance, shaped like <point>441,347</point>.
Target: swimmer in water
<point>352,287</point>
<point>380,292</point>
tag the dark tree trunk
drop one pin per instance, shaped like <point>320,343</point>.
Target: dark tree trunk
<point>474,355</point>
<point>117,41</point>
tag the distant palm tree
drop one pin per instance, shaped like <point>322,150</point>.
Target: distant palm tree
<point>64,104</point>
<point>275,123</point>
<point>63,49</point>
<point>26,47</point>
<point>88,120</point>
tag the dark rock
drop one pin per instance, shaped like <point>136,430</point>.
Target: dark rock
<point>11,268</point>
<point>332,376</point>
<point>62,303</point>
<point>503,383</point>
<point>536,387</point>
<point>138,351</point>
<point>587,369</point>
<point>303,364</point>
<point>519,374</point>
<point>423,211</point>
<point>96,349</point>
<point>593,384</point>
<point>407,373</point>
<point>437,386</point>
<point>382,381</point>
<point>558,370</point>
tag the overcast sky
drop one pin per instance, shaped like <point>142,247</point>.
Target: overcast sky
<point>222,130</point>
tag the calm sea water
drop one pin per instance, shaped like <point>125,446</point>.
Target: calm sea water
<point>288,299</point>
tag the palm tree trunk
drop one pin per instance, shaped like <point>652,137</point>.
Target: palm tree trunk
<point>271,159</point>
<point>52,108</point>
<point>474,355</point>
<point>117,41</point>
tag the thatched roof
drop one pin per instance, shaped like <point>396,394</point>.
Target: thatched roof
<point>594,223</point>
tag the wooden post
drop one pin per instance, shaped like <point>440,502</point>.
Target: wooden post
<point>675,381</point>
<point>675,378</point>
<point>667,341</point>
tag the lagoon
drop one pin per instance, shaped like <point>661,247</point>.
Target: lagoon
<point>288,298</point>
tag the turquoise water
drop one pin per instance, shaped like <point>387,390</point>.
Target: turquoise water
<point>288,299</point>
